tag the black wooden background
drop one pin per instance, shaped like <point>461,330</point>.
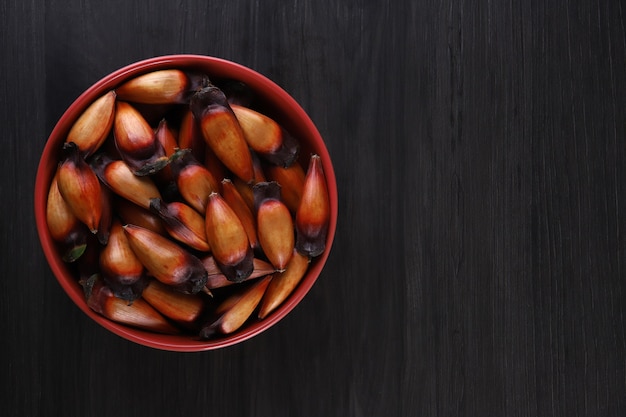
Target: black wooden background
<point>479,263</point>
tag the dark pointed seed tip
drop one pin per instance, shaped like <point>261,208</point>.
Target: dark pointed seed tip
<point>70,147</point>
<point>286,154</point>
<point>267,186</point>
<point>310,246</point>
<point>197,282</point>
<point>70,150</point>
<point>203,98</point>
<point>241,276</point>
<point>239,272</point>
<point>311,252</point>
<point>126,292</point>
<point>266,190</point>
<point>209,331</point>
<point>98,163</point>
<point>197,80</point>
<point>156,203</point>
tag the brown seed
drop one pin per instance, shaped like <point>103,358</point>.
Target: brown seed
<point>313,215</point>
<point>182,308</point>
<point>80,188</point>
<point>136,141</point>
<point>139,313</point>
<point>118,262</point>
<point>139,190</point>
<point>217,279</point>
<point>61,220</point>
<point>167,261</point>
<point>183,223</point>
<point>236,310</point>
<point>266,137</point>
<point>291,180</point>
<point>94,125</point>
<point>222,132</point>
<point>228,239</point>
<point>190,136</point>
<point>283,283</point>
<point>194,181</point>
<point>238,204</point>
<point>169,86</point>
<point>165,136</point>
<point>262,133</point>
<point>274,224</point>
<point>64,226</point>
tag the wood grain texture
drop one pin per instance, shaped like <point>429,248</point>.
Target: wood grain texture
<point>478,267</point>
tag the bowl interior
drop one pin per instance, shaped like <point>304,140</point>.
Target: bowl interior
<point>273,101</point>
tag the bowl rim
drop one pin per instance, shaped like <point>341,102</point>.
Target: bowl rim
<point>279,98</point>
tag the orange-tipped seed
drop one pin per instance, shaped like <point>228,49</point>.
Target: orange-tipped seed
<point>64,226</point>
<point>165,136</point>
<point>274,224</point>
<point>182,222</point>
<point>166,260</point>
<point>136,141</point>
<point>139,313</point>
<point>283,283</point>
<point>182,308</point>
<point>238,204</point>
<point>236,310</point>
<point>313,215</point>
<point>169,86</point>
<point>194,181</point>
<point>291,180</point>
<point>121,180</point>
<point>190,137</point>
<point>217,279</point>
<point>80,187</point>
<point>228,239</point>
<point>118,262</point>
<point>266,137</point>
<point>222,132</point>
<point>94,125</point>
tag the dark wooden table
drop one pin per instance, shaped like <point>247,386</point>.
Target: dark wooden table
<point>479,263</point>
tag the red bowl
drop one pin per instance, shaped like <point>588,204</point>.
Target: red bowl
<point>275,102</point>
